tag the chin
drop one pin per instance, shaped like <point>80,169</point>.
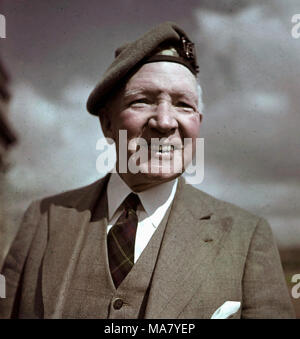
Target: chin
<point>143,181</point>
<point>162,176</point>
<point>159,175</point>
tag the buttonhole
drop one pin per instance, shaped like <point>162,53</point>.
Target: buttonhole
<point>207,217</point>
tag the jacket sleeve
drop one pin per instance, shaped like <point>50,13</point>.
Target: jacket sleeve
<point>265,293</point>
<point>15,261</point>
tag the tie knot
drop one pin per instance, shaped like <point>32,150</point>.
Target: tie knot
<point>132,201</point>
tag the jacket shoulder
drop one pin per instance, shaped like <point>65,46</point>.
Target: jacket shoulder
<point>220,208</point>
<point>82,196</point>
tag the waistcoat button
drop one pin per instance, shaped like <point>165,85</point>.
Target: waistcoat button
<point>118,303</point>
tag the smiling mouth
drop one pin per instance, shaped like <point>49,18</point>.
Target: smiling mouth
<point>158,147</point>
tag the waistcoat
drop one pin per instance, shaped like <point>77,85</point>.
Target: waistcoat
<point>92,294</point>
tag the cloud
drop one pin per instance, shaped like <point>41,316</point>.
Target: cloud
<point>251,92</point>
<point>57,149</point>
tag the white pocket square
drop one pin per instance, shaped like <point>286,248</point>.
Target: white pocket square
<point>226,310</point>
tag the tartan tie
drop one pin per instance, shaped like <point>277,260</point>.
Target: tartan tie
<point>121,239</point>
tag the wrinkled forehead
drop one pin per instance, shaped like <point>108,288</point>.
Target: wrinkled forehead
<point>162,76</point>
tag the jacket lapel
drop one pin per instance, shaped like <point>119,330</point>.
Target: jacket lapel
<point>68,227</point>
<point>191,242</point>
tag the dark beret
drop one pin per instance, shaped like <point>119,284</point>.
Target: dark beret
<point>131,55</point>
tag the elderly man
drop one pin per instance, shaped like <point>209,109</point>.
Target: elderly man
<point>143,243</point>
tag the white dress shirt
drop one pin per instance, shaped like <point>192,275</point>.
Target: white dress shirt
<point>155,203</point>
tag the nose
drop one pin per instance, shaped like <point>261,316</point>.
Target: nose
<point>164,119</point>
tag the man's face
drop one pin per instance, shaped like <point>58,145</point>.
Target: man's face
<point>159,101</point>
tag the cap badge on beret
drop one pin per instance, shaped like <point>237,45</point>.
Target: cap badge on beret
<point>189,49</point>
<point>182,52</point>
<point>190,53</point>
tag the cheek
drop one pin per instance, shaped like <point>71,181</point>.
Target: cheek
<point>191,126</point>
<point>132,122</point>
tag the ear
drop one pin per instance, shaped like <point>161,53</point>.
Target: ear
<point>201,117</point>
<point>105,123</point>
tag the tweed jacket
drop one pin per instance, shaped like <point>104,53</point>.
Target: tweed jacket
<point>211,252</point>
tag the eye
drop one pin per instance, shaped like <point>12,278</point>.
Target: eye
<point>185,106</point>
<point>139,102</point>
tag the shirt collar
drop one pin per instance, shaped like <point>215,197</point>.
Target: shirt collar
<point>155,200</point>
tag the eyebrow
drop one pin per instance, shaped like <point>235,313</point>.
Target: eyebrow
<point>146,91</point>
<point>131,92</point>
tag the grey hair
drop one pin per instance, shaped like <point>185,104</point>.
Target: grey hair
<point>200,101</point>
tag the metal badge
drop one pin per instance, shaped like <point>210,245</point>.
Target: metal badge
<point>188,49</point>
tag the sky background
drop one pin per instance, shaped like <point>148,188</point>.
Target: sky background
<point>56,51</point>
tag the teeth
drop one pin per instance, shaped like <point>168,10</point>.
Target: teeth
<point>162,148</point>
